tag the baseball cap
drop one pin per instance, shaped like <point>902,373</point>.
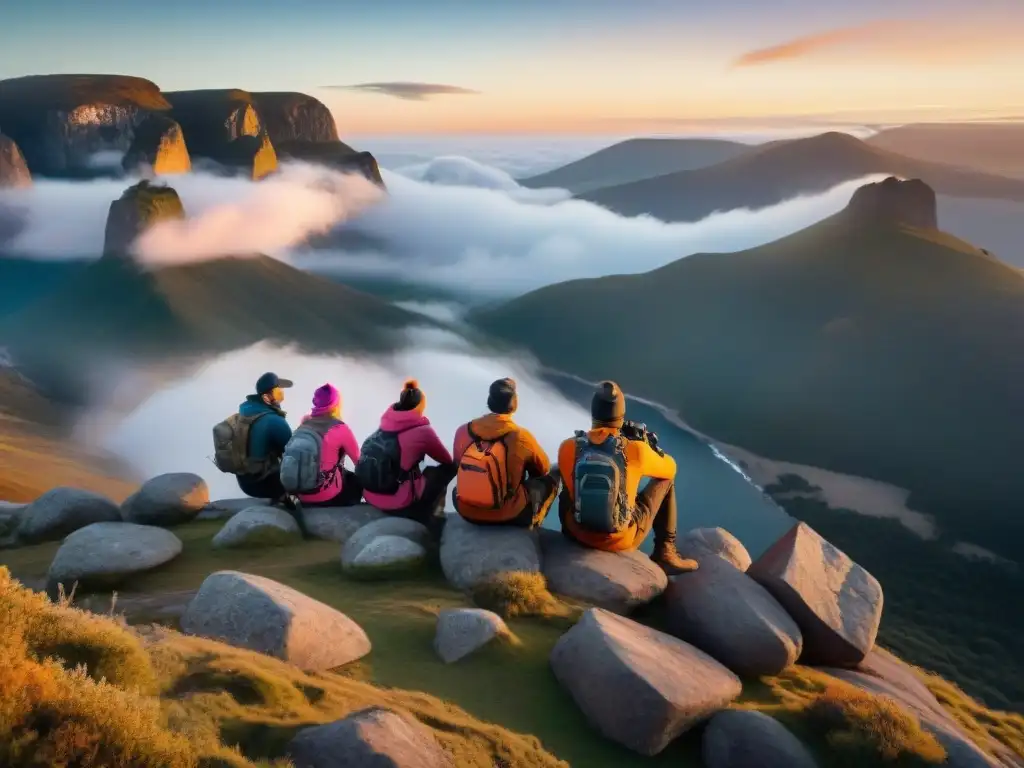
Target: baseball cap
<point>269,381</point>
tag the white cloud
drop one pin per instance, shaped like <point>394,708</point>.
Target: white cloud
<point>456,171</point>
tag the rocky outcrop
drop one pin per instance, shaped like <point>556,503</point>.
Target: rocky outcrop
<point>725,613</point>
<point>462,631</point>
<point>374,737</point>
<point>290,116</point>
<point>702,543</point>
<point>166,500</point>
<point>258,527</point>
<point>252,155</point>
<point>836,603</point>
<point>893,201</point>
<point>14,171</point>
<point>616,581</point>
<point>470,554</point>
<point>139,208</point>
<point>335,155</point>
<point>158,148</point>
<point>102,555</point>
<point>746,739</point>
<point>637,686</point>
<point>62,511</point>
<point>339,523</point>
<point>262,615</point>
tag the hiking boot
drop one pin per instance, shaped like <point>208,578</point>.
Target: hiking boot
<point>670,561</point>
<point>293,506</point>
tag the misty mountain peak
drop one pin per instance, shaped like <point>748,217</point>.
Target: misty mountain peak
<point>894,201</point>
<point>139,208</point>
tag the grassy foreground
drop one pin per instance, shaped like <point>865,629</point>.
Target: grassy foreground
<point>220,696</point>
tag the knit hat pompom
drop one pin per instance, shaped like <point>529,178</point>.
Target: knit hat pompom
<point>412,398</point>
<point>411,384</point>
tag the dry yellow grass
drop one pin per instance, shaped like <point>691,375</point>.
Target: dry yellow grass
<point>985,726</point>
<point>519,593</point>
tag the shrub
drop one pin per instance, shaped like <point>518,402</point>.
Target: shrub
<point>518,593</point>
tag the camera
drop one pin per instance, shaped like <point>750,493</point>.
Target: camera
<point>635,430</point>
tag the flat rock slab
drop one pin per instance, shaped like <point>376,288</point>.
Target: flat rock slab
<point>836,603</point>
<point>727,614</point>
<point>61,511</point>
<point>386,526</point>
<point>461,631</point>
<point>739,738</point>
<point>258,527</point>
<point>103,555</point>
<point>262,615</point>
<point>338,523</point>
<point>471,554</point>
<point>225,509</point>
<point>372,738</point>
<point>702,543</point>
<point>616,581</point>
<point>637,686</point>
<point>387,557</point>
<point>167,500</point>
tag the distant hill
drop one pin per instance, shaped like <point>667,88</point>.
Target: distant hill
<point>995,225</point>
<point>773,173</point>
<point>861,345</point>
<point>636,159</point>
<point>24,281</point>
<point>991,147</point>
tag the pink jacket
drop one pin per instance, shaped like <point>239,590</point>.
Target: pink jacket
<point>339,442</point>
<point>418,441</point>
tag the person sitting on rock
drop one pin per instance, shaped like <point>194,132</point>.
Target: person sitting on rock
<point>389,462</point>
<point>250,443</point>
<point>600,506</point>
<point>503,477</point>
<point>313,464</point>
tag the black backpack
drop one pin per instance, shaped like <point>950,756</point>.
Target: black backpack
<point>379,468</point>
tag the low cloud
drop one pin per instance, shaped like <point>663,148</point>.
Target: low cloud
<point>408,91</point>
<point>456,171</point>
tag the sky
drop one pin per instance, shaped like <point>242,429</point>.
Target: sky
<point>552,66</point>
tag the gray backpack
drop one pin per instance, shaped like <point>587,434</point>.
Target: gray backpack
<point>600,480</point>
<point>300,465</point>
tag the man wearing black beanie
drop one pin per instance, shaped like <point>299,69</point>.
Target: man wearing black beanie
<point>504,477</point>
<point>600,506</point>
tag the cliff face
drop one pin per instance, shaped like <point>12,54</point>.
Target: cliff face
<point>295,117</point>
<point>334,155</point>
<point>13,170</point>
<point>158,148</point>
<point>897,202</point>
<point>138,209</point>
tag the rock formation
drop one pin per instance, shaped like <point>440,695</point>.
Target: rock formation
<point>13,169</point>
<point>702,543</point>
<point>166,500</point>
<point>894,201</point>
<point>258,526</point>
<point>391,546</point>
<point>291,116</point>
<point>336,155</point>
<point>252,155</point>
<point>470,554</point>
<point>139,208</point>
<point>461,631</point>
<point>158,148</point>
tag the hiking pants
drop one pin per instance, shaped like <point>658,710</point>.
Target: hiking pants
<point>541,492</point>
<point>654,509</point>
<point>436,481</point>
<point>351,493</point>
<point>262,487</point>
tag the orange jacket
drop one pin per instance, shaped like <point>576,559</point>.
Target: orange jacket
<point>641,461</point>
<point>524,456</point>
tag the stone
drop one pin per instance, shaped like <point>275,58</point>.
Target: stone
<point>334,155</point>
<point>338,523</point>
<point>702,543</point>
<point>728,615</point>
<point>461,631</point>
<point>471,554</point>
<point>385,557</point>
<point>262,615</point>
<point>258,527</point>
<point>103,555</point>
<point>61,511</point>
<point>386,526</point>
<point>616,581</point>
<point>14,171</point>
<point>289,116</point>
<point>739,738</point>
<point>225,509</point>
<point>836,603</point>
<point>637,686</point>
<point>371,738</point>
<point>171,499</point>
<point>895,201</point>
<point>158,148</point>
<point>139,208</point>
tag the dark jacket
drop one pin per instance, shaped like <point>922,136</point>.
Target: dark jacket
<point>269,435</point>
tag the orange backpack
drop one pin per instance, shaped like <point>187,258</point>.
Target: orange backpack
<point>482,479</point>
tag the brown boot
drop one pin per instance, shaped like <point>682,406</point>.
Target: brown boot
<point>670,561</point>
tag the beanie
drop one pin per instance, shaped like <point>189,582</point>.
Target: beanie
<point>325,399</point>
<point>608,406</point>
<point>412,397</point>
<point>502,396</point>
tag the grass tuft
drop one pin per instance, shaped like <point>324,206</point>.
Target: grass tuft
<point>518,593</point>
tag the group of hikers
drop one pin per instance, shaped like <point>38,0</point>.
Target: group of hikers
<point>502,475</point>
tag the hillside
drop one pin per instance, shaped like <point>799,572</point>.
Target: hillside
<point>24,281</point>
<point>779,171</point>
<point>990,147</point>
<point>867,347</point>
<point>636,159</point>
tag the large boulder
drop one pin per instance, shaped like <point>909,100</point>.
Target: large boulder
<point>225,509</point>
<point>14,171</point>
<point>338,523</point>
<point>461,631</point>
<point>746,739</point>
<point>258,527</point>
<point>386,526</point>
<point>262,615</point>
<point>167,500</point>
<point>103,555</point>
<point>471,554</point>
<point>701,543</point>
<point>727,614</point>
<point>371,738</point>
<point>158,148</point>
<point>616,581</point>
<point>139,208</point>
<point>290,116</point>
<point>387,557</point>
<point>61,511</point>
<point>836,603</point>
<point>637,686</point>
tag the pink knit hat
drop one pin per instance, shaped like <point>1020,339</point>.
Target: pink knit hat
<point>325,399</point>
